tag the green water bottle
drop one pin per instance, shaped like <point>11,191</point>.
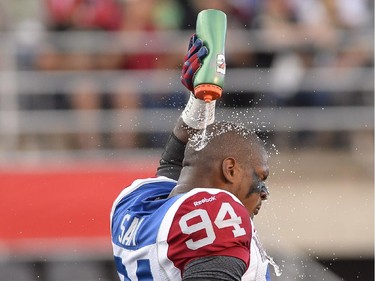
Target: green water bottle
<point>211,28</point>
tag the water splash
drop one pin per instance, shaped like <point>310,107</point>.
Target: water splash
<point>276,267</point>
<point>255,119</point>
<point>200,139</point>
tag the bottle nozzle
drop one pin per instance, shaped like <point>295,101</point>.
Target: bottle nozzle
<point>207,92</point>
<point>207,98</point>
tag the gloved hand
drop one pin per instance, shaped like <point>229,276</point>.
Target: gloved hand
<point>193,61</point>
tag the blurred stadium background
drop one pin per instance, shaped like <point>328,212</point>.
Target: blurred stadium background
<point>89,90</point>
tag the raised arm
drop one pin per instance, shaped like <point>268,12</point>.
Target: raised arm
<point>193,117</point>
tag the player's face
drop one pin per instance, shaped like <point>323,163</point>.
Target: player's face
<point>250,190</point>
<point>263,196</point>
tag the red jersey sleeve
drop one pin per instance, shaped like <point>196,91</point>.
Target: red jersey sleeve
<point>208,222</point>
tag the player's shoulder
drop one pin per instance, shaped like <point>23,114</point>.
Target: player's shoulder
<point>213,192</point>
<point>207,198</point>
<point>159,181</point>
<point>156,182</point>
<point>145,188</point>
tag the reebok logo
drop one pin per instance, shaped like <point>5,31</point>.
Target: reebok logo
<point>204,200</point>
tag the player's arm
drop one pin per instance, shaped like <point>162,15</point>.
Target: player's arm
<point>214,268</point>
<point>192,118</point>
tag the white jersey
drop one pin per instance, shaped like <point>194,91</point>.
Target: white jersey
<point>258,269</point>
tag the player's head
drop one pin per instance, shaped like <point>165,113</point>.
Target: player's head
<point>232,158</point>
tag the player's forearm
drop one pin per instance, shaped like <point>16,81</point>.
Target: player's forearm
<point>170,164</point>
<point>214,268</point>
<point>196,115</point>
<point>182,131</point>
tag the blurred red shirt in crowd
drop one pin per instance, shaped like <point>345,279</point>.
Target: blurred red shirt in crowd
<point>84,14</point>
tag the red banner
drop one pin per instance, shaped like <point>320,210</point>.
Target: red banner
<point>68,202</point>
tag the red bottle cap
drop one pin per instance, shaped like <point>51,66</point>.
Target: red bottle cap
<point>207,92</point>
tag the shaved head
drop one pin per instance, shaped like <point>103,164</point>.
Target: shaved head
<point>222,140</point>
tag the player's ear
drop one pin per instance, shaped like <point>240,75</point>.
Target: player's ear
<point>229,167</point>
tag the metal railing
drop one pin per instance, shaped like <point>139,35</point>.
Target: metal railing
<point>16,82</point>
